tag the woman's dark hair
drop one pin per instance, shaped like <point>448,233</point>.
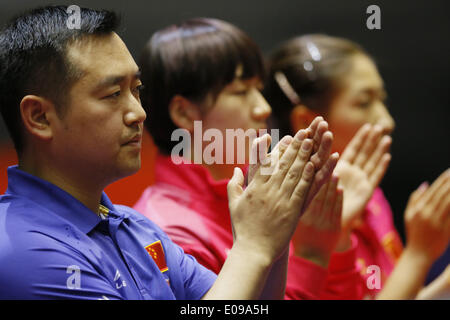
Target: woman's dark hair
<point>193,59</point>
<point>306,70</point>
<point>33,58</point>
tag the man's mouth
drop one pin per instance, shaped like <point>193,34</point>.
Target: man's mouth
<point>134,141</point>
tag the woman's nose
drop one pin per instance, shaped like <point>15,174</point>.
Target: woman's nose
<point>385,120</point>
<point>262,109</point>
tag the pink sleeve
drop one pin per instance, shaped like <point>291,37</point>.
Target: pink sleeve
<point>380,220</point>
<point>305,279</point>
<point>344,280</point>
<point>195,247</point>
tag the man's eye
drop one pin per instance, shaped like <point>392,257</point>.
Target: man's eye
<point>114,95</point>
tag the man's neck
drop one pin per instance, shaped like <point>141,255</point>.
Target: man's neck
<point>84,190</point>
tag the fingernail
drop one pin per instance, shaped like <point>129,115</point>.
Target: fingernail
<point>300,135</point>
<point>387,139</point>
<point>423,185</point>
<point>309,167</point>
<point>307,145</point>
<point>286,140</point>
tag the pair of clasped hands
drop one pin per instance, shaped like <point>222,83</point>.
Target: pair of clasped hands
<point>303,198</point>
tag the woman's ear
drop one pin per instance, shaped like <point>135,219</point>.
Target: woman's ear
<point>183,112</point>
<point>301,117</point>
<point>35,111</point>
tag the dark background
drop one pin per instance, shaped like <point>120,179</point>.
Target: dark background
<point>411,50</point>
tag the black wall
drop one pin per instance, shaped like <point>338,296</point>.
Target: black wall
<point>411,49</point>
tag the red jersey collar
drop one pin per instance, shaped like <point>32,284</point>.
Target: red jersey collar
<point>189,176</point>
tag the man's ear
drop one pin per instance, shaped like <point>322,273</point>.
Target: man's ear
<point>301,117</point>
<point>183,112</point>
<point>35,111</point>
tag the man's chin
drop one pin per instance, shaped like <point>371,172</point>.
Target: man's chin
<point>128,170</point>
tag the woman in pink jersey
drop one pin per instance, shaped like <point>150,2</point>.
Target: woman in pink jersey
<point>321,75</point>
<point>210,71</point>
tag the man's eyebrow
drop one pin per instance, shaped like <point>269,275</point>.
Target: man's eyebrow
<point>116,79</point>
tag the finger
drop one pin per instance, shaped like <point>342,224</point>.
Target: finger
<point>330,197</point>
<point>253,162</point>
<point>272,160</point>
<point>337,209</point>
<point>263,148</point>
<point>316,205</point>
<point>418,193</point>
<point>374,159</point>
<point>259,157</point>
<point>294,174</point>
<point>235,185</point>
<point>281,147</point>
<point>380,170</point>
<point>447,216</point>
<point>322,127</point>
<point>301,190</point>
<point>440,191</point>
<point>324,150</point>
<point>436,185</point>
<point>438,203</point>
<point>322,176</point>
<point>320,197</point>
<point>368,146</point>
<point>445,220</point>
<point>356,143</point>
<point>413,200</point>
<point>289,156</point>
<point>311,130</point>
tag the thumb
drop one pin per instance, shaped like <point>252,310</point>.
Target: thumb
<point>254,161</point>
<point>258,155</point>
<point>235,185</point>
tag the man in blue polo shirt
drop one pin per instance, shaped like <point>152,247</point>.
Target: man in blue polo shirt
<point>70,100</point>
<point>55,247</point>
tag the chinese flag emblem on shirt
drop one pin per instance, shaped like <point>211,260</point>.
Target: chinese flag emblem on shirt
<point>156,251</point>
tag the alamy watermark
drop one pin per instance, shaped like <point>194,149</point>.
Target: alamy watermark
<point>74,19</point>
<point>373,281</point>
<point>374,20</point>
<point>235,144</point>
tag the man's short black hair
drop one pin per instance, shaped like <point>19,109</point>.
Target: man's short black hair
<point>194,59</point>
<point>33,58</point>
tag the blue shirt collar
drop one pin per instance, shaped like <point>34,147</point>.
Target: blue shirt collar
<point>53,198</point>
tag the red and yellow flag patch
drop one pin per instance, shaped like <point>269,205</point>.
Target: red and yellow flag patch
<point>156,251</point>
